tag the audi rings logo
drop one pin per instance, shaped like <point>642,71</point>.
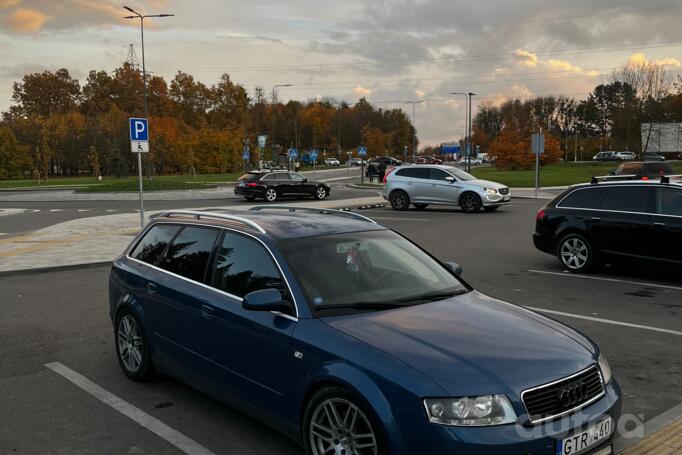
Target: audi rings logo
<point>572,394</point>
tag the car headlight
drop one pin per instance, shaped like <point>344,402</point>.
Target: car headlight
<point>479,411</point>
<point>605,368</point>
<point>490,191</point>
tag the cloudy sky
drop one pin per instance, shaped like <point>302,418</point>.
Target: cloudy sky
<point>389,51</point>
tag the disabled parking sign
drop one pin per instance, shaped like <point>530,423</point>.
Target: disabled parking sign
<point>139,135</point>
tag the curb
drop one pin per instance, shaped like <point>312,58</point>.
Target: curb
<point>56,268</point>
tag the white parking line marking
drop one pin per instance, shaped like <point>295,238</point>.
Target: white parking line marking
<point>614,280</point>
<point>606,321</point>
<point>152,424</point>
<point>56,210</point>
<point>397,219</point>
<point>3,233</point>
<point>83,210</point>
<point>111,210</point>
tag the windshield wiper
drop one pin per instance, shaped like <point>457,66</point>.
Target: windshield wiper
<point>432,297</point>
<point>362,306</point>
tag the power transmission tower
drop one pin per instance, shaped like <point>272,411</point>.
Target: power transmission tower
<point>131,58</point>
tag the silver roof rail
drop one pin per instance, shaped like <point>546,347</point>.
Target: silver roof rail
<point>606,178</point>
<point>318,210</point>
<point>218,216</point>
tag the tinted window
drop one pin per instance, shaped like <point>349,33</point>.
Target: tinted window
<point>296,177</point>
<point>655,169</point>
<point>268,178</point>
<point>243,266</point>
<point>415,172</point>
<point>670,201</point>
<point>439,174</point>
<point>154,242</point>
<point>282,177</point>
<point>188,254</point>
<point>628,169</point>
<point>626,199</point>
<point>587,198</point>
<point>249,177</point>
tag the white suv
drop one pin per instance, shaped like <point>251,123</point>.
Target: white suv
<point>331,162</point>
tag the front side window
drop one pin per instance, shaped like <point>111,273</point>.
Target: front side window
<point>584,198</point>
<point>626,199</point>
<point>243,265</point>
<point>154,243</point>
<point>461,175</point>
<point>282,177</point>
<point>627,169</point>
<point>366,269</point>
<point>296,177</point>
<point>189,253</point>
<point>439,174</point>
<point>669,201</point>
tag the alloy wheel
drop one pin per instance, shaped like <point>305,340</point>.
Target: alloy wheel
<point>321,193</point>
<point>271,195</point>
<point>399,201</point>
<point>338,427</point>
<point>130,343</point>
<point>574,253</point>
<point>469,203</point>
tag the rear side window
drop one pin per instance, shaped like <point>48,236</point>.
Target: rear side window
<point>627,199</point>
<point>628,169</point>
<point>585,198</point>
<point>154,243</point>
<point>656,169</point>
<point>670,201</point>
<point>249,177</point>
<point>243,266</point>
<point>415,173</point>
<point>189,253</point>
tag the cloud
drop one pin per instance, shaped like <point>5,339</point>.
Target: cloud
<point>419,93</point>
<point>526,58</point>
<point>26,20</point>
<point>640,59</point>
<point>362,91</point>
<point>9,3</point>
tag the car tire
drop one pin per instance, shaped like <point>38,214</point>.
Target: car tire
<point>271,195</point>
<point>321,193</point>
<point>470,202</point>
<point>420,206</point>
<point>575,253</point>
<point>492,208</point>
<point>400,200</point>
<point>327,423</point>
<point>132,346</point>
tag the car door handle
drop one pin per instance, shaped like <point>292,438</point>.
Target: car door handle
<point>659,224</point>
<point>595,218</point>
<point>207,311</point>
<point>151,288</point>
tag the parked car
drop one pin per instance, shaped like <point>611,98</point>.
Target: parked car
<point>653,157</point>
<point>625,219</point>
<point>421,185</point>
<point>276,184</point>
<point>427,159</point>
<point>642,170</point>
<point>332,162</point>
<point>605,156</point>
<point>355,162</point>
<point>374,164</point>
<point>625,156</point>
<point>349,338</point>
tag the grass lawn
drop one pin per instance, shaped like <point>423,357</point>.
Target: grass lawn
<point>551,175</point>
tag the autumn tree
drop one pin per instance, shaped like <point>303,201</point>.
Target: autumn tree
<point>14,159</point>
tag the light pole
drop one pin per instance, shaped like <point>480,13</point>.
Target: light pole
<point>142,17</point>
<point>471,137</point>
<point>466,120</point>
<point>414,125</point>
<point>274,94</point>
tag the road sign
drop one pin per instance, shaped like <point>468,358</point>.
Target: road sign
<point>139,130</point>
<point>246,155</point>
<point>262,140</point>
<point>293,153</point>
<point>139,147</point>
<point>537,143</point>
<point>313,155</point>
<point>362,151</point>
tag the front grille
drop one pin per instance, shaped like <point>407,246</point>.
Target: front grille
<point>561,397</point>
<point>503,191</point>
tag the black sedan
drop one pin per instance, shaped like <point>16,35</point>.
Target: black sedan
<point>274,185</point>
<point>624,219</point>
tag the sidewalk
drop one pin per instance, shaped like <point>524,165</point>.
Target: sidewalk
<point>667,441</point>
<point>102,238</point>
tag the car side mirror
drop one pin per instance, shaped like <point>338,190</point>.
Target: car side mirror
<point>449,178</point>
<point>612,172</point>
<point>265,300</point>
<point>454,268</point>
<point>304,180</point>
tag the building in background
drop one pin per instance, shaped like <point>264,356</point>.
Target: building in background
<point>662,138</point>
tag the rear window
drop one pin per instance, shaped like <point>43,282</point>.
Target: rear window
<point>415,173</point>
<point>656,169</point>
<point>189,253</point>
<point>250,177</point>
<point>627,199</point>
<point>584,198</point>
<point>628,169</point>
<point>154,243</point>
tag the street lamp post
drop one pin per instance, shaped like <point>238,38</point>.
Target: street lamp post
<point>466,120</point>
<point>274,93</point>
<point>414,125</point>
<point>142,17</point>
<point>469,140</point>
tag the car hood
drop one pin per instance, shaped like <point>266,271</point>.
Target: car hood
<point>474,344</point>
<point>485,184</point>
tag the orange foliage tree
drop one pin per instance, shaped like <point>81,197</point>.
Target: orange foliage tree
<point>514,151</point>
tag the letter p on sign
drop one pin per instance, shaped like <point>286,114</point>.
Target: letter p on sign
<point>139,131</point>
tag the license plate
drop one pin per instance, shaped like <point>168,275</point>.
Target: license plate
<point>585,440</point>
<point>507,198</point>
<point>240,184</point>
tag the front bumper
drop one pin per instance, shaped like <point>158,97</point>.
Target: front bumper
<point>491,200</point>
<point>513,439</point>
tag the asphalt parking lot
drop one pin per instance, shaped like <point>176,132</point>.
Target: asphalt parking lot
<point>633,311</point>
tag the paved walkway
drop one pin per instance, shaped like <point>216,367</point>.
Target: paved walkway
<point>667,441</point>
<point>101,239</point>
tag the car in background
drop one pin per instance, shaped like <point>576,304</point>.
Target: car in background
<point>653,157</point>
<point>639,170</point>
<point>625,156</point>
<point>474,161</point>
<point>332,162</point>
<point>273,185</point>
<point>422,185</point>
<point>427,159</point>
<point>351,339</point>
<point>605,156</point>
<point>589,223</point>
<point>374,164</point>
<point>355,162</point>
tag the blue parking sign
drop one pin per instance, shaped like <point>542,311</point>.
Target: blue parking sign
<point>139,130</point>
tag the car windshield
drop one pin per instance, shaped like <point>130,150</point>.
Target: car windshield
<point>460,174</point>
<point>367,270</point>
